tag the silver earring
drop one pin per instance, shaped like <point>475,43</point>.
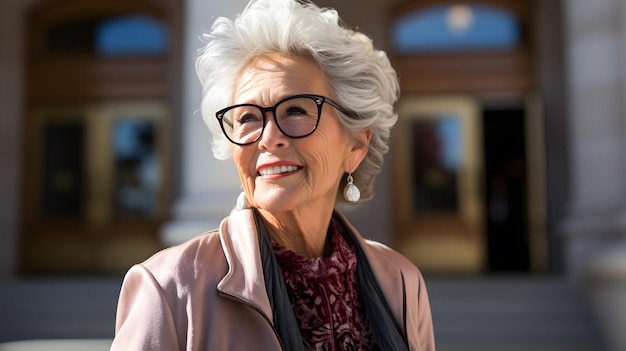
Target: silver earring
<point>351,192</point>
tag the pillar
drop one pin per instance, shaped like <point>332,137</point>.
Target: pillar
<point>595,230</point>
<point>209,187</point>
<point>596,107</point>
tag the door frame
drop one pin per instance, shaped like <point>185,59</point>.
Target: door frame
<point>442,241</point>
<point>457,242</point>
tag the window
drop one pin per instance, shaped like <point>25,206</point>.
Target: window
<point>456,28</point>
<point>131,36</point>
<point>126,35</point>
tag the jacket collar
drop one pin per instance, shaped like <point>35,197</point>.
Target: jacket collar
<point>244,280</point>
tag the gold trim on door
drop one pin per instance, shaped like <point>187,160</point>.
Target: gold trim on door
<point>536,174</point>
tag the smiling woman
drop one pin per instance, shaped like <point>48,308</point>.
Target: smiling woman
<point>313,187</point>
<point>282,97</point>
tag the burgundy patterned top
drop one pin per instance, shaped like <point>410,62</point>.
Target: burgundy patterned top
<point>324,293</point>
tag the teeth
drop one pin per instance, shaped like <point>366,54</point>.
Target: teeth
<point>277,170</point>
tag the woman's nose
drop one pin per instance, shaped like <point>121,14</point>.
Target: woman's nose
<point>272,137</point>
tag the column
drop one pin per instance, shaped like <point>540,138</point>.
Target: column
<point>595,230</point>
<point>209,186</point>
<point>597,135</point>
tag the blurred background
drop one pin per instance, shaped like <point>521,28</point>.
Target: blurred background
<point>506,182</point>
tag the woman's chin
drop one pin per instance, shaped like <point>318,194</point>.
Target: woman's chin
<point>276,202</point>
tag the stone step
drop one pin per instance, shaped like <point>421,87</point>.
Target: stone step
<point>509,313</point>
<point>58,308</point>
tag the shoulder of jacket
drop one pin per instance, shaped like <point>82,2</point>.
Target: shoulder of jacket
<point>392,256</point>
<point>181,262</point>
<point>203,241</point>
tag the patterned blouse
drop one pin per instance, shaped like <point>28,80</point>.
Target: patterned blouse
<point>324,293</point>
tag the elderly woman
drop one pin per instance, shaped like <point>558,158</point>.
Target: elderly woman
<point>305,107</point>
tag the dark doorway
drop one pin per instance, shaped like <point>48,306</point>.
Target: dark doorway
<point>506,189</point>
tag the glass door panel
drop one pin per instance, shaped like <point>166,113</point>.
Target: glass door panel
<point>63,169</point>
<point>436,150</point>
<point>136,167</point>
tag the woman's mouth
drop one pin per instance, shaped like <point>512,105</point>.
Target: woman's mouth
<point>276,170</point>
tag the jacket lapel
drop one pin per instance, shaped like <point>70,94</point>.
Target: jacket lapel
<point>244,279</point>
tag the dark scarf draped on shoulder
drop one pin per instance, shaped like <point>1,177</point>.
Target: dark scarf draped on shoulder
<point>387,333</point>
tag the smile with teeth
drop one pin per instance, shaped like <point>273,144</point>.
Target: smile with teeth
<point>277,170</point>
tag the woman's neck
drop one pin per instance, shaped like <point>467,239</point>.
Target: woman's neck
<point>302,233</point>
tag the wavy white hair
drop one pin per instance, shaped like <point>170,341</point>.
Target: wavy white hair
<point>360,76</point>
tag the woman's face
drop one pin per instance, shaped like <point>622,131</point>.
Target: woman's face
<point>281,174</point>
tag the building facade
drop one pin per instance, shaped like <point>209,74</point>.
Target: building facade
<point>529,172</point>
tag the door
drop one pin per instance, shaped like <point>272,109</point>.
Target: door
<point>101,83</point>
<point>468,159</point>
<point>96,195</point>
<point>470,184</point>
<point>439,207</point>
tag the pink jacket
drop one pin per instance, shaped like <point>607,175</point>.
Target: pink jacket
<point>209,294</point>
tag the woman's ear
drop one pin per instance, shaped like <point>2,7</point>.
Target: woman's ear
<point>359,150</point>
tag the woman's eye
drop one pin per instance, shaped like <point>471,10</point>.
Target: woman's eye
<point>296,111</point>
<point>248,117</point>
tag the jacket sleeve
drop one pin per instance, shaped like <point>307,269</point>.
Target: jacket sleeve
<point>144,319</point>
<point>419,320</point>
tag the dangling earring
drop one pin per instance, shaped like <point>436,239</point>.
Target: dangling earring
<point>351,192</point>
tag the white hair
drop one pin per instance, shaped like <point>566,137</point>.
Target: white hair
<point>360,76</point>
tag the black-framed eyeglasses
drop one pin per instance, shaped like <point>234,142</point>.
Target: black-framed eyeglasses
<point>296,116</point>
